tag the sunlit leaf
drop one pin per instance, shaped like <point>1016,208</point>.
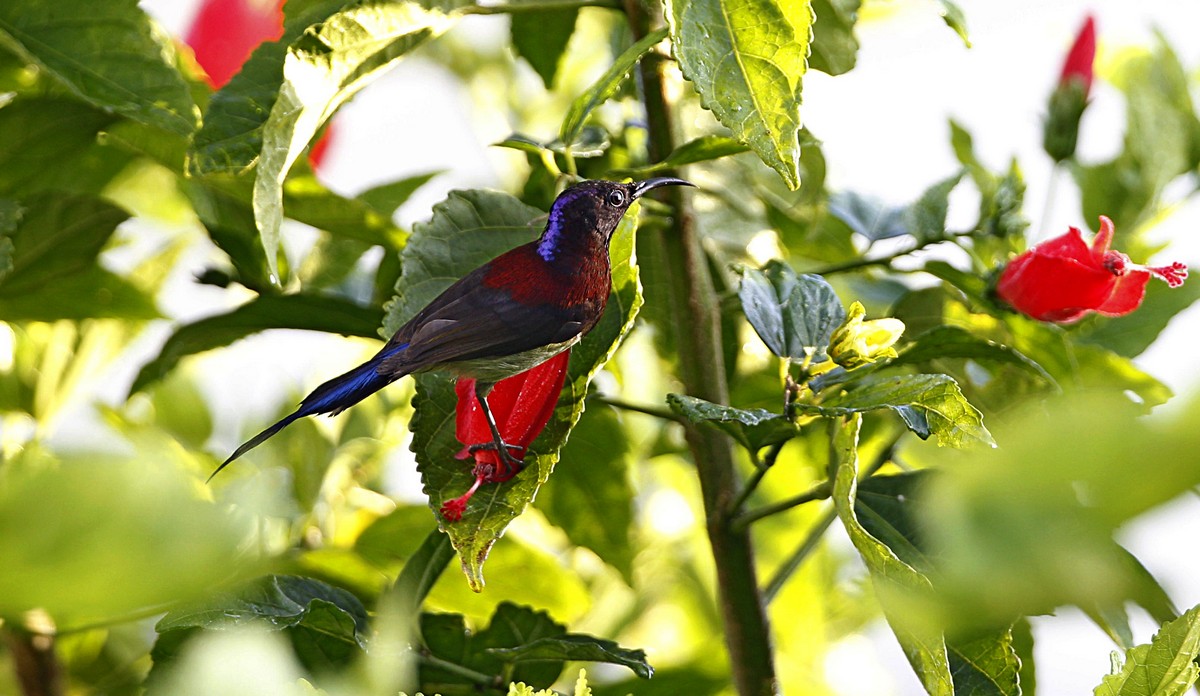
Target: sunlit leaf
<point>747,59</point>
<point>606,86</point>
<point>1166,666</point>
<point>541,38</point>
<point>834,48</point>
<point>118,60</point>
<point>578,648</point>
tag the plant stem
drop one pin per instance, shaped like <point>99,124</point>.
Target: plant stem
<point>655,411</point>
<point>760,469</point>
<point>821,491</point>
<point>886,260</point>
<point>455,668</point>
<point>38,670</point>
<point>702,371</point>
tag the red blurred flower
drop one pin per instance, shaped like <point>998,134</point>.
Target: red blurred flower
<point>223,35</point>
<point>1062,279</point>
<point>1070,97</point>
<point>1080,60</point>
<point>521,405</point>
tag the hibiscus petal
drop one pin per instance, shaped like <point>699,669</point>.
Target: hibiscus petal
<point>1127,294</point>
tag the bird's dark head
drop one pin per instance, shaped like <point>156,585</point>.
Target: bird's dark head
<point>593,208</point>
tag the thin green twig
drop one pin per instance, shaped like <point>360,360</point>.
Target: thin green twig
<point>655,411</point>
<point>821,491</point>
<point>792,564</point>
<point>538,6</point>
<point>761,467</point>
<point>455,668</point>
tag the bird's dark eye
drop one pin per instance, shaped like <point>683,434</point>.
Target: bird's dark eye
<point>616,198</point>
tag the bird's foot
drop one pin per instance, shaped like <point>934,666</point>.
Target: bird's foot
<point>509,465</point>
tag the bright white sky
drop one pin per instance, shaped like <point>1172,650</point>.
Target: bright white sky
<point>885,133</point>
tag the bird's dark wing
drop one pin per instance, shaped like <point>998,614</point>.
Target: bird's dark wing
<point>471,321</point>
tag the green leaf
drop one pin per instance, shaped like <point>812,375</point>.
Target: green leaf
<point>34,132</point>
<point>325,624</point>
<point>1012,526</point>
<point>386,198</point>
<point>868,216</point>
<point>1166,666</point>
<point>420,572</point>
<point>447,639</point>
<point>1132,334</point>
<point>702,149</point>
<point>834,48</point>
<point>117,60</point>
<point>945,341</point>
<point>892,577</point>
<point>541,38</point>
<point>985,665</point>
<point>794,315</point>
<point>606,86</point>
<point>311,312</point>
<point>753,429</point>
<point>591,499</point>
<point>926,218</point>
<point>578,648</point>
<point>747,59</point>
<point>322,70</point>
<point>468,229</point>
<point>52,270</point>
<point>929,405</point>
<point>953,15</point>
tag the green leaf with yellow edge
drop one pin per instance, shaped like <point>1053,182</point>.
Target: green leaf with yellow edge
<point>1166,666</point>
<point>929,405</point>
<point>109,54</point>
<point>467,230</point>
<point>322,70</point>
<point>747,60</point>
<point>893,578</point>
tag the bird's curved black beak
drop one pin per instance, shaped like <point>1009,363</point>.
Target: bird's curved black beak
<point>641,187</point>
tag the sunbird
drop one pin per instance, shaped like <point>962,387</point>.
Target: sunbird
<point>503,318</point>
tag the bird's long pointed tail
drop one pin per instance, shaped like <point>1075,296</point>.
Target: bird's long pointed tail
<point>332,397</point>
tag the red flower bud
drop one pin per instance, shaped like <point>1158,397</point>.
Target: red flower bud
<point>225,33</point>
<point>1062,279</point>
<point>1081,58</point>
<point>521,405</point>
<point>1070,98</point>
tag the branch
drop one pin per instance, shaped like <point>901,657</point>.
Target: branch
<point>538,6</point>
<point>702,370</point>
<point>857,264</point>
<point>662,413</point>
<point>821,491</point>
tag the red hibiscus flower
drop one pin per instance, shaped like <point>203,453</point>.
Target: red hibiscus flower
<point>1070,97</point>
<point>225,33</point>
<point>1062,279</point>
<point>521,405</point>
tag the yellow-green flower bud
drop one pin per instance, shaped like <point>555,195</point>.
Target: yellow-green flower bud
<point>856,342</point>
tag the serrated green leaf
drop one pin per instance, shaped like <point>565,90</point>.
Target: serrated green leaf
<point>834,48</point>
<point>326,625</point>
<point>53,272</point>
<point>322,70</point>
<point>591,499</point>
<point>468,229</point>
<point>231,137</point>
<point>578,648</point>
<point>753,429</point>
<point>929,404</point>
<point>747,59</point>
<point>793,314</point>
<point>511,626</point>
<point>868,216</point>
<point>117,60</point>
<point>311,312</point>
<point>926,218</point>
<point>892,577</point>
<point>541,37</point>
<point>1166,666</point>
<point>606,86</point>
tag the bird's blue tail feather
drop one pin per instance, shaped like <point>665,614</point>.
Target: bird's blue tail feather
<point>332,397</point>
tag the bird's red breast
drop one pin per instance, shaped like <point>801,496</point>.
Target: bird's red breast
<point>572,280</point>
